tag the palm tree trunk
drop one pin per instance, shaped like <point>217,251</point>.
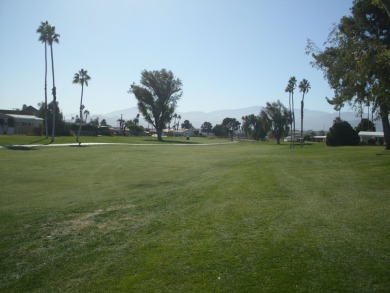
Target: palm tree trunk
<point>46,126</point>
<point>386,4</point>
<point>293,118</point>
<point>302,121</point>
<point>81,113</point>
<point>386,125</point>
<point>291,128</point>
<point>54,96</point>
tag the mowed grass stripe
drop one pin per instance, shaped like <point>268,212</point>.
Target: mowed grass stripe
<point>242,217</point>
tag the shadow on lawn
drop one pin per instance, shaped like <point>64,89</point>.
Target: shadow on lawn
<point>171,141</point>
<point>39,140</point>
<point>19,148</point>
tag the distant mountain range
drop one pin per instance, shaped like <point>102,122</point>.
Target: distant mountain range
<point>313,120</point>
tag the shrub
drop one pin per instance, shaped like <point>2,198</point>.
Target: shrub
<point>342,133</point>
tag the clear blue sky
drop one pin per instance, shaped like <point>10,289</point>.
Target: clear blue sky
<point>228,53</point>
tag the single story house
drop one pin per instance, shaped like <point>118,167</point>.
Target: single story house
<point>24,124</point>
<point>366,135</point>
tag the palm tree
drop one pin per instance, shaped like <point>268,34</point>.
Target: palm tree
<point>177,128</point>
<point>82,78</point>
<point>43,37</point>
<point>136,119</point>
<point>174,123</point>
<point>304,87</point>
<point>86,113</point>
<point>52,37</point>
<point>292,82</point>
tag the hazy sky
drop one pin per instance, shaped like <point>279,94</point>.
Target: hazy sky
<point>228,53</point>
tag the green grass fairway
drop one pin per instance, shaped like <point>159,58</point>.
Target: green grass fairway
<point>244,217</point>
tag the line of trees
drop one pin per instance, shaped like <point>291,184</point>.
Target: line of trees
<point>48,36</point>
<point>356,60</point>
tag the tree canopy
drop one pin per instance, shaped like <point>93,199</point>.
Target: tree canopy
<point>278,118</point>
<point>186,124</point>
<point>157,97</point>
<point>255,126</point>
<point>231,125</point>
<point>342,133</point>
<point>206,127</point>
<point>356,60</point>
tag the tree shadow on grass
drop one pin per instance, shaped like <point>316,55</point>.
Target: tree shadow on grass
<point>20,148</point>
<point>171,141</point>
<point>39,140</point>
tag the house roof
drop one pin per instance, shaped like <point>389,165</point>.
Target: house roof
<point>371,134</point>
<point>19,117</point>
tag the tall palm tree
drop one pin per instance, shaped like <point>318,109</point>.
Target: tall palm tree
<point>174,123</point>
<point>287,90</point>
<point>81,78</point>
<point>178,117</point>
<point>43,37</point>
<point>86,113</point>
<point>53,37</point>
<point>304,87</point>
<point>292,82</point>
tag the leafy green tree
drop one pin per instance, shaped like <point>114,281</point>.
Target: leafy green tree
<point>220,131</point>
<point>81,78</point>
<point>365,125</point>
<point>62,128</point>
<point>206,127</point>
<point>134,128</point>
<point>136,119</point>
<point>186,124</point>
<point>231,125</point>
<point>103,122</point>
<point>292,84</point>
<point>52,37</point>
<point>337,104</point>
<point>386,5</point>
<point>95,122</point>
<point>356,59</point>
<point>278,118</point>
<point>255,126</point>
<point>248,123</point>
<point>43,37</point>
<point>157,97</point>
<point>304,87</point>
<point>342,133</point>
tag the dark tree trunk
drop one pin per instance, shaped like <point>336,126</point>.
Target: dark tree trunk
<point>293,117</point>
<point>54,92</point>
<point>81,114</point>
<point>386,4</point>
<point>302,123</point>
<point>159,135</point>
<point>46,126</point>
<point>386,125</point>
